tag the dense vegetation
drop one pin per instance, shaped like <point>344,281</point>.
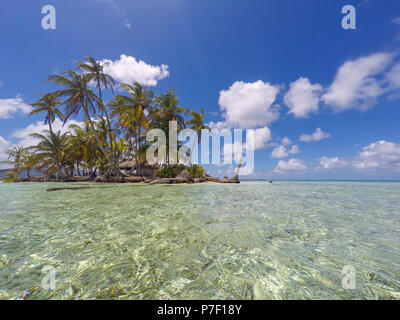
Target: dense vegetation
<point>172,171</point>
<point>112,131</point>
<point>10,176</point>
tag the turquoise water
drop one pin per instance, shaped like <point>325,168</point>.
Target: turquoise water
<point>286,240</point>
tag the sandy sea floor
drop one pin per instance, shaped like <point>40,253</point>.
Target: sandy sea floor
<point>286,240</point>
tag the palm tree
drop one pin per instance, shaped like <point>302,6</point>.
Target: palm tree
<point>168,110</point>
<point>80,97</point>
<point>132,112</point>
<point>102,129</point>
<point>50,150</point>
<point>29,161</point>
<point>10,176</point>
<point>16,157</point>
<point>48,103</point>
<point>78,146</point>
<point>83,148</point>
<point>126,120</point>
<point>95,72</point>
<point>197,124</point>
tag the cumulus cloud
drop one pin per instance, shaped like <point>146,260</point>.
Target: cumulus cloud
<point>286,141</point>
<point>24,140</point>
<point>226,170</point>
<point>393,77</point>
<point>355,85</point>
<point>128,70</point>
<point>303,98</point>
<point>292,164</point>
<point>380,154</point>
<point>4,146</point>
<point>316,136</point>
<point>261,137</point>
<point>332,163</point>
<point>9,107</point>
<point>282,152</point>
<point>219,125</point>
<point>248,105</point>
<point>377,155</point>
<point>234,151</point>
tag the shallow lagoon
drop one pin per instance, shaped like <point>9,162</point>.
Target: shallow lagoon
<point>286,240</point>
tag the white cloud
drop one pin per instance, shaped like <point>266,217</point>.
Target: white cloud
<point>261,137</point>
<point>248,105</point>
<point>294,149</point>
<point>4,146</point>
<point>24,140</point>
<point>226,170</point>
<point>380,154</point>
<point>332,163</point>
<point>292,164</point>
<point>219,125</point>
<point>355,85</point>
<point>377,155</point>
<point>286,141</point>
<point>282,152</point>
<point>8,107</point>
<point>234,151</point>
<point>303,98</point>
<point>316,136</point>
<point>128,70</point>
<point>393,77</point>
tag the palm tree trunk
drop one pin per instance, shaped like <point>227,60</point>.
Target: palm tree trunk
<point>116,164</point>
<point>137,149</point>
<point>50,126</point>
<point>111,164</point>
<point>113,157</point>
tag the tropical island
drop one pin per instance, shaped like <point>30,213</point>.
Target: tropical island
<point>111,144</point>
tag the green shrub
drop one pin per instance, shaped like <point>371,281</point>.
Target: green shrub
<point>196,171</point>
<point>172,171</point>
<point>10,176</point>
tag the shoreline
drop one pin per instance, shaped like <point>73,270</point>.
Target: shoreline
<point>133,180</point>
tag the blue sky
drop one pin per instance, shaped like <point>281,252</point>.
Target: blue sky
<point>284,67</point>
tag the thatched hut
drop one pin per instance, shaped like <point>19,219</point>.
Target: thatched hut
<point>127,165</point>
